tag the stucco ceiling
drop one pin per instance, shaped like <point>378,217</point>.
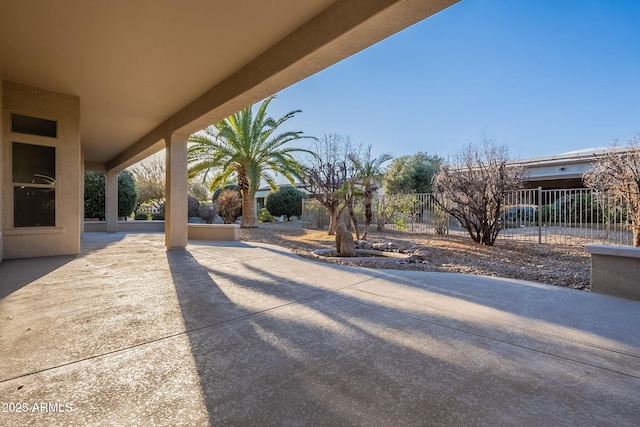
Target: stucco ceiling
<point>134,64</point>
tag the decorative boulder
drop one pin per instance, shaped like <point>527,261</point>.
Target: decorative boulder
<point>344,242</point>
<point>419,255</point>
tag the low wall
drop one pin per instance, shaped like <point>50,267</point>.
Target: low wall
<point>220,232</point>
<point>125,226</point>
<point>615,270</point>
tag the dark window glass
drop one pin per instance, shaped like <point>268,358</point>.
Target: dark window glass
<point>34,164</point>
<point>34,207</point>
<point>33,126</point>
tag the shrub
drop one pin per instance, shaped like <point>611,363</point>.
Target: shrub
<point>396,209</point>
<point>94,194</point>
<point>285,201</point>
<point>192,206</point>
<point>472,187</point>
<point>207,213</point>
<point>440,220</point>
<point>233,187</point>
<point>228,204</point>
<point>142,217</point>
<point>157,216</point>
<point>127,193</point>
<point>265,216</point>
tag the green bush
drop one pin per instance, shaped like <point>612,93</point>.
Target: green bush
<point>142,217</point>
<point>157,216</point>
<point>127,193</point>
<point>94,194</point>
<point>265,216</point>
<point>285,201</point>
<point>397,210</point>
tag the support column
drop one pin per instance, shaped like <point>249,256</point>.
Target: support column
<point>111,201</point>
<point>175,211</point>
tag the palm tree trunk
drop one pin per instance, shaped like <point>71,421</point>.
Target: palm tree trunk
<point>368,212</point>
<point>248,213</point>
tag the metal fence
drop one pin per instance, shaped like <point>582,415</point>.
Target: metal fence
<point>571,217</point>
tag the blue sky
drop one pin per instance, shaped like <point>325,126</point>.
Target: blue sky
<point>543,77</point>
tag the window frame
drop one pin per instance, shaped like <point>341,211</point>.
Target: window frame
<point>18,184</point>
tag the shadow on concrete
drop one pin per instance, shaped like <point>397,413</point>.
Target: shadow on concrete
<point>247,334</point>
<point>257,368</point>
<point>17,273</point>
<point>554,305</point>
<point>95,241</point>
<point>270,350</point>
<point>221,244</point>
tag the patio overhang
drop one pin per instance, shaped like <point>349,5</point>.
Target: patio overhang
<point>148,72</point>
<point>145,69</point>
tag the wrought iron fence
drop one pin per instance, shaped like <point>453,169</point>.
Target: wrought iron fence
<point>572,217</point>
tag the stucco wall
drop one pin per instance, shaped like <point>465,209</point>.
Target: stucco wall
<point>615,270</point>
<point>64,238</point>
<point>1,168</point>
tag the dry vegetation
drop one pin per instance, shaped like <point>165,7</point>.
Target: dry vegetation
<point>560,265</point>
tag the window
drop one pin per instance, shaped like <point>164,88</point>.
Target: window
<point>33,126</point>
<point>34,185</point>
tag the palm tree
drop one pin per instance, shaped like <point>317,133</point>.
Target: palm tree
<point>246,147</point>
<point>369,172</point>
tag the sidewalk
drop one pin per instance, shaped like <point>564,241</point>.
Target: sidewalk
<point>248,334</point>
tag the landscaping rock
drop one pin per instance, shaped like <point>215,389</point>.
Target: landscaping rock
<point>419,255</point>
<point>344,242</point>
<point>379,246</point>
<point>558,264</point>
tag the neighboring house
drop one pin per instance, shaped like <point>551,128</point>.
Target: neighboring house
<point>97,97</point>
<point>561,171</point>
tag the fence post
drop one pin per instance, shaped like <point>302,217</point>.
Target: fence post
<point>539,214</point>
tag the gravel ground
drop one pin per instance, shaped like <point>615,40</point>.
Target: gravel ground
<point>560,265</point>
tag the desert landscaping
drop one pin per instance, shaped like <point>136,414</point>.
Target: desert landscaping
<point>560,265</point>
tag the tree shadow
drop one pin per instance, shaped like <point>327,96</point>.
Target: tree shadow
<point>567,308</point>
<point>270,349</point>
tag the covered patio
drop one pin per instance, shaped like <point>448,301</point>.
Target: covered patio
<point>114,329</point>
<point>128,333</point>
<point>100,86</point>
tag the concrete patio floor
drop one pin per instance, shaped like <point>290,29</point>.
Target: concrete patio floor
<point>249,334</point>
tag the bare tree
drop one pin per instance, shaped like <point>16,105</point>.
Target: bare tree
<point>150,175</point>
<point>199,190</point>
<point>472,188</point>
<point>616,173</point>
<point>328,175</point>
